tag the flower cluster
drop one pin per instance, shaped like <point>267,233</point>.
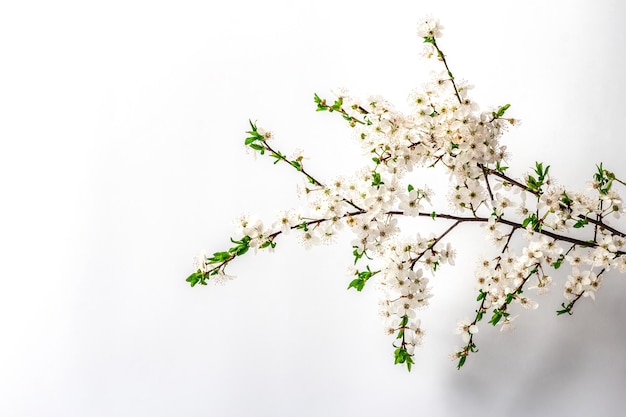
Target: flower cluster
<point>445,129</point>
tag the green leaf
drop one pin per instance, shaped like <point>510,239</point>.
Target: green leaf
<point>479,315</point>
<point>194,278</point>
<point>321,103</point>
<point>509,298</point>
<point>337,104</point>
<point>410,188</point>
<point>399,357</point>
<point>357,255</point>
<point>565,200</point>
<point>357,284</point>
<point>461,361</point>
<point>541,173</point>
<point>497,315</point>
<point>502,110</point>
<point>376,180</point>
<point>278,156</point>
<point>219,257</point>
<point>500,168</point>
<point>363,276</point>
<point>409,363</point>
<point>433,215</point>
<point>429,39</point>
<point>402,356</point>
<point>296,165</point>
<point>532,220</point>
<point>566,309</point>
<point>532,183</point>
<point>557,264</point>
<point>252,125</point>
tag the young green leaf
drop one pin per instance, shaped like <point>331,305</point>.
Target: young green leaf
<point>257,147</point>
<point>462,359</point>
<point>497,315</point>
<point>502,110</point>
<point>194,278</point>
<point>250,140</point>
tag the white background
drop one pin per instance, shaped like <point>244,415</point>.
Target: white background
<point>122,127</point>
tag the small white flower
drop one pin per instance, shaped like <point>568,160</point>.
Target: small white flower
<point>285,219</point>
<point>267,135</point>
<point>448,254</point>
<point>507,324</point>
<point>619,263</point>
<point>199,261</point>
<point>222,278</point>
<point>309,239</point>
<point>527,303</point>
<point>429,28</point>
<point>466,329</point>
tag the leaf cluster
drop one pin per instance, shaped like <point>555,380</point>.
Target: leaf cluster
<point>338,107</point>
<point>604,179</point>
<point>401,354</point>
<point>533,183</point>
<point>362,277</point>
<point>498,114</point>
<point>534,221</point>
<point>222,258</point>
<point>566,309</point>
<point>255,136</point>
<point>462,355</point>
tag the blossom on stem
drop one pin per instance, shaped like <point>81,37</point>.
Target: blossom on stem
<point>466,329</point>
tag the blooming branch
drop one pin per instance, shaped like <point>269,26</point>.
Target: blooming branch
<point>444,130</point>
